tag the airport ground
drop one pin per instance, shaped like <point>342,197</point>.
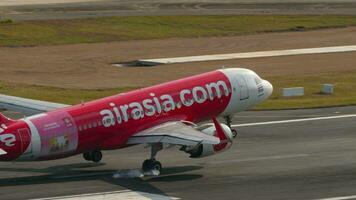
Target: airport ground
<point>69,9</point>
<point>68,66</point>
<point>299,160</point>
<point>43,72</point>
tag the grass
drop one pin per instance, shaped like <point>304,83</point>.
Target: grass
<point>345,93</point>
<point>105,29</point>
<point>6,21</point>
<point>58,95</point>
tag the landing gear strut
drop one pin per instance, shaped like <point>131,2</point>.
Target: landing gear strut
<point>94,156</point>
<point>152,163</point>
<point>228,119</point>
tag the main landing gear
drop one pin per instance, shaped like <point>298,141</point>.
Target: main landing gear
<point>228,119</point>
<point>94,156</point>
<point>152,163</point>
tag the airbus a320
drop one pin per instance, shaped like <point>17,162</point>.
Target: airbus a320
<point>162,115</point>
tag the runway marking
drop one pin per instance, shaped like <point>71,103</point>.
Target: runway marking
<point>339,198</point>
<point>113,195</point>
<point>261,158</point>
<point>294,120</point>
<point>256,54</point>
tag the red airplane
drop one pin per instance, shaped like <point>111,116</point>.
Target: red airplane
<point>160,116</point>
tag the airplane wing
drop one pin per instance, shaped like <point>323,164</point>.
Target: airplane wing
<point>176,133</point>
<point>27,106</point>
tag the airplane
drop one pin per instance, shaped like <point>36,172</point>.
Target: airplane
<point>159,116</point>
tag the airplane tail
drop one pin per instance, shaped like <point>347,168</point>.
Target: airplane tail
<point>5,120</point>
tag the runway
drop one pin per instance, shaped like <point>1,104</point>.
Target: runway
<point>258,54</point>
<point>305,159</point>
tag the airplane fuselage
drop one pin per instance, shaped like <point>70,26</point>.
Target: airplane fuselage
<point>108,123</point>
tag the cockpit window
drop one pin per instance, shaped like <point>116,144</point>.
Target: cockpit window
<point>258,80</point>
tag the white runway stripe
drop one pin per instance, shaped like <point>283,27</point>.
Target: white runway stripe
<point>113,195</point>
<point>257,54</point>
<point>276,157</point>
<point>340,198</point>
<point>294,120</point>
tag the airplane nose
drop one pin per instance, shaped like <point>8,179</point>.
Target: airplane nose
<point>268,88</point>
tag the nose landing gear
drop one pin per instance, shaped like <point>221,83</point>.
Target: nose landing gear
<point>94,156</point>
<point>152,163</point>
<point>228,119</point>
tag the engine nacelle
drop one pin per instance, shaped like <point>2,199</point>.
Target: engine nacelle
<point>205,150</point>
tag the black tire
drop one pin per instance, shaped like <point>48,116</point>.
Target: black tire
<point>96,156</point>
<point>150,164</point>
<point>87,156</point>
<point>156,166</point>
<point>146,165</point>
<point>234,133</point>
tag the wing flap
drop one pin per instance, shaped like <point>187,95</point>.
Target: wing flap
<point>175,133</point>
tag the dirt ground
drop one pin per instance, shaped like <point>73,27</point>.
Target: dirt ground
<point>35,2</point>
<point>89,65</point>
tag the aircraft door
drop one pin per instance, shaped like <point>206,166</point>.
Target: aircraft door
<point>243,87</point>
<point>25,137</point>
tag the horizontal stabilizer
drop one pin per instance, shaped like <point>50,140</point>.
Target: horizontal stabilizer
<point>4,119</point>
<point>27,106</point>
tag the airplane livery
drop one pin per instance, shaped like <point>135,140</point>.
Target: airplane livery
<point>161,115</point>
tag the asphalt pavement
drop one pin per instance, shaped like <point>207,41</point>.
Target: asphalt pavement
<point>297,160</point>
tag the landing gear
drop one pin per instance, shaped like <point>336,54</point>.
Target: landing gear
<point>228,119</point>
<point>87,156</point>
<point>94,156</point>
<point>152,163</point>
<point>234,133</point>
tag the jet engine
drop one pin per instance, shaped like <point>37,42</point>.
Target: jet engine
<point>204,150</point>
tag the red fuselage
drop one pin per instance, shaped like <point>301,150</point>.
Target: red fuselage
<point>107,123</point>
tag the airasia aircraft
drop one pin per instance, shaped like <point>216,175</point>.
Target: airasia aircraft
<point>160,116</point>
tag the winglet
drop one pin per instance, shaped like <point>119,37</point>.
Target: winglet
<point>219,130</point>
<point>224,141</point>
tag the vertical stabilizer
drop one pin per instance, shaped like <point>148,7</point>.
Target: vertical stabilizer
<point>5,120</point>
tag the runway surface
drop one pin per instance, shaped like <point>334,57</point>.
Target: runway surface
<point>66,9</point>
<point>297,160</point>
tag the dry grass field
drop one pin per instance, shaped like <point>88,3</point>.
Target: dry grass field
<point>74,72</point>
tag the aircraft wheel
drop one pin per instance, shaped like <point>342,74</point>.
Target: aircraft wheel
<point>146,164</point>
<point>151,164</point>
<point>87,156</point>
<point>96,156</point>
<point>234,133</point>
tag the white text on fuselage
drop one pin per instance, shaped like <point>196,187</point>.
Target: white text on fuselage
<point>164,103</point>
